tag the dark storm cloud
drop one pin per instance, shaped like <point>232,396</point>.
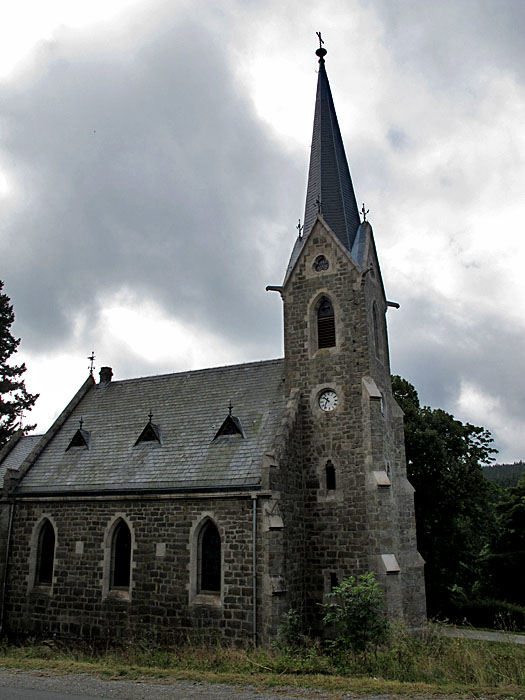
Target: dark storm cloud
<point>146,171</point>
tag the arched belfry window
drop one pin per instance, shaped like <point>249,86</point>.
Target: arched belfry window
<point>325,324</point>
<point>209,575</point>
<point>120,557</point>
<point>45,555</point>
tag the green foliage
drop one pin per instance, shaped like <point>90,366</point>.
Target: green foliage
<point>503,562</point>
<point>453,499</point>
<point>487,612</point>
<point>290,632</point>
<point>14,399</point>
<point>505,474</point>
<point>356,611</point>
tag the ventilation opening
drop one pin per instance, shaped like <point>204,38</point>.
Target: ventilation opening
<point>46,555</point>
<point>325,324</point>
<point>330,476</point>
<point>121,559</point>
<point>210,560</point>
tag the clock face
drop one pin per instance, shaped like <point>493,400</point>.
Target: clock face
<point>328,400</point>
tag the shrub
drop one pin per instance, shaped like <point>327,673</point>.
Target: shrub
<point>356,611</point>
<point>496,614</point>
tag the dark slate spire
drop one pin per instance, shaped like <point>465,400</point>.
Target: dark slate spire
<point>330,188</point>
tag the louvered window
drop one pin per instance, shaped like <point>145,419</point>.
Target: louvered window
<point>325,324</point>
<point>375,322</point>
<point>46,554</point>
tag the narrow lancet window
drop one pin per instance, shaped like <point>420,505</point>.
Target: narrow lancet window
<point>325,324</point>
<point>121,557</point>
<point>45,555</point>
<point>210,559</point>
<point>330,476</point>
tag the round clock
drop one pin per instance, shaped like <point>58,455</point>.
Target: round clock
<point>328,400</point>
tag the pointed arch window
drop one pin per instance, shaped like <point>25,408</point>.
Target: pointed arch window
<point>209,573</point>
<point>120,557</point>
<point>325,324</point>
<point>45,555</point>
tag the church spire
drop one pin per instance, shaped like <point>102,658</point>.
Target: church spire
<point>330,190</point>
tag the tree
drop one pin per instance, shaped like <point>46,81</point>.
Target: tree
<point>14,398</point>
<point>503,562</point>
<point>452,500</point>
<point>356,610</point>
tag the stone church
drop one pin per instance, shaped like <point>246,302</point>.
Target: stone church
<point>205,504</point>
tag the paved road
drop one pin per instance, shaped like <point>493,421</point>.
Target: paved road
<point>35,685</point>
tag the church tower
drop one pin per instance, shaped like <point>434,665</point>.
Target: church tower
<point>358,507</point>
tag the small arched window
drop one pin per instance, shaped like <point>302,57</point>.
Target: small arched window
<point>209,578</point>
<point>325,324</point>
<point>330,476</point>
<point>45,555</point>
<point>377,337</point>
<point>121,557</point>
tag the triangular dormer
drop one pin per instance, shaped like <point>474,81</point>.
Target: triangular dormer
<point>150,433</point>
<point>80,439</point>
<point>231,427</point>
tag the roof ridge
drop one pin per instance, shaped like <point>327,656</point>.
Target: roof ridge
<point>203,370</point>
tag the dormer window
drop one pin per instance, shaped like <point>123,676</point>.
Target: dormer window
<point>151,432</point>
<point>325,324</point>
<point>80,439</point>
<point>230,427</point>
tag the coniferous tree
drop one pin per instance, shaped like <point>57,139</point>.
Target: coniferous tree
<point>14,398</point>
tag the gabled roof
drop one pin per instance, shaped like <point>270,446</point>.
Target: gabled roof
<point>189,409</point>
<point>15,451</point>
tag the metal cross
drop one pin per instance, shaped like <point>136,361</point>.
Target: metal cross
<point>230,407</point>
<point>91,359</point>
<point>318,202</point>
<point>150,415</point>
<point>321,42</point>
<point>80,423</point>
<point>299,228</point>
<point>364,212</point>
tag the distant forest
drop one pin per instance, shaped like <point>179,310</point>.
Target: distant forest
<point>505,474</point>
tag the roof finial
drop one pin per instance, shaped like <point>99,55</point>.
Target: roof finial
<point>230,407</point>
<point>80,423</point>
<point>299,228</point>
<point>318,203</point>
<point>91,359</point>
<point>364,212</point>
<point>320,51</point>
<point>150,415</point>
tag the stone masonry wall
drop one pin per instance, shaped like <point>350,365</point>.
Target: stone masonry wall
<point>162,559</point>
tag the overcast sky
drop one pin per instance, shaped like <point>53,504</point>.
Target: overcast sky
<point>153,163</point>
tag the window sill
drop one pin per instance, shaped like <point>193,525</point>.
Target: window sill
<point>120,594</point>
<point>211,600</point>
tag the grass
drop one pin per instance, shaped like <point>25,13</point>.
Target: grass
<point>429,664</point>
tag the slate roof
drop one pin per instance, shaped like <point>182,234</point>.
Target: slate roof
<point>16,450</point>
<point>329,178</point>
<point>188,408</point>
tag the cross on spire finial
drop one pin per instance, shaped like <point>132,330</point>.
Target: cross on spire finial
<point>91,359</point>
<point>321,52</point>
<point>80,423</point>
<point>230,408</point>
<point>364,212</point>
<point>299,228</point>
<point>150,415</point>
